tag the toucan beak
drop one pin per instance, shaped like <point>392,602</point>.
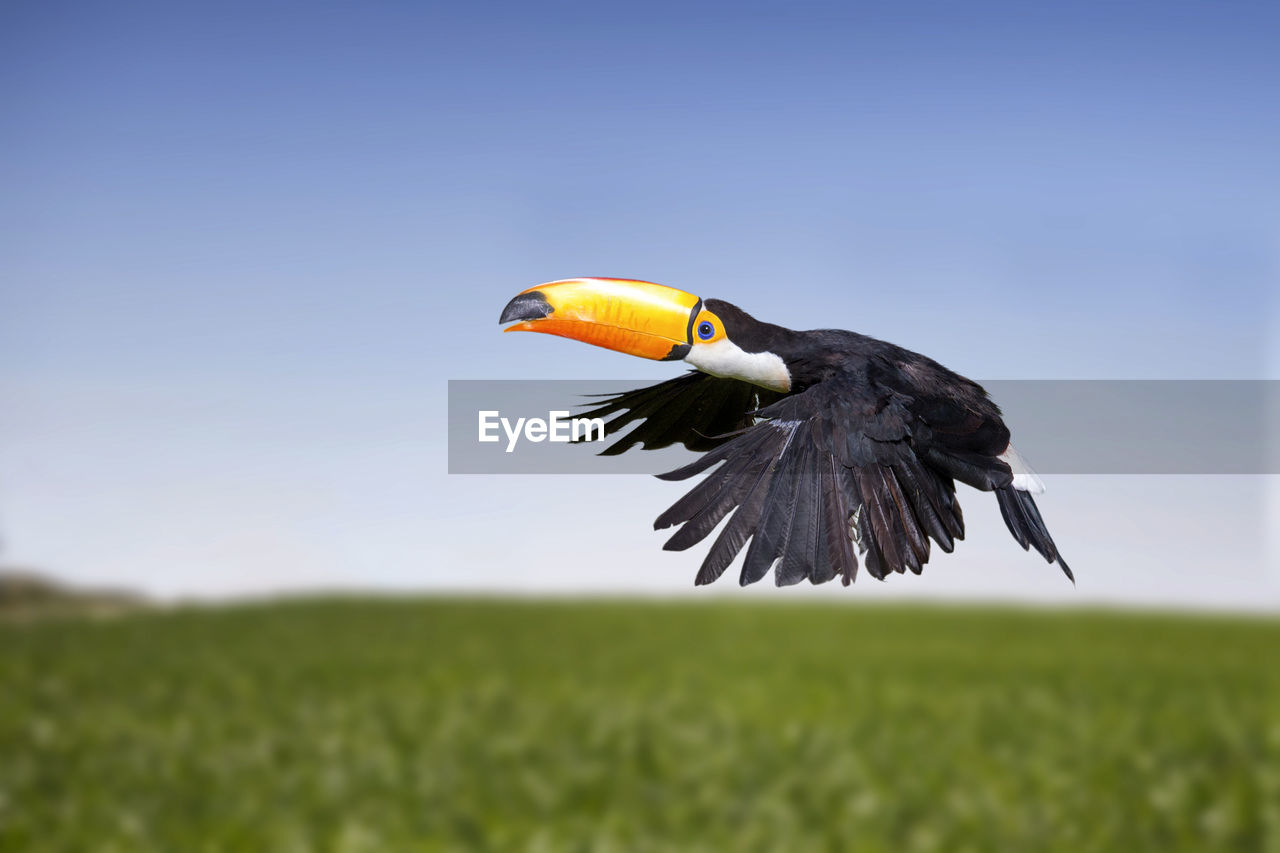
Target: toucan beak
<point>636,317</point>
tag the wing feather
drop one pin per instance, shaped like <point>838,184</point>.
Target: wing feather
<point>923,493</point>
<point>746,518</point>
<point>697,410</point>
<point>798,508</point>
<point>840,553</point>
<point>730,484</point>
<point>770,539</point>
<point>813,484</point>
<point>728,480</point>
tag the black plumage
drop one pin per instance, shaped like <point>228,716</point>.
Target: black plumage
<point>697,410</point>
<point>859,458</point>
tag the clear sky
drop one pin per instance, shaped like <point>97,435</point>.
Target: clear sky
<point>244,247</point>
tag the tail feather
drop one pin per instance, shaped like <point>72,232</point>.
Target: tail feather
<point>1022,517</point>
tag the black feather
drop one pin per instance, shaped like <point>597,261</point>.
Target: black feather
<point>770,539</point>
<point>745,520</point>
<point>734,479</point>
<point>839,538</point>
<point>697,410</point>
<point>800,551</point>
<point>739,456</point>
<point>857,466</point>
<point>1022,517</point>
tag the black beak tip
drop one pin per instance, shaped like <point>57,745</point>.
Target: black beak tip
<point>527,306</point>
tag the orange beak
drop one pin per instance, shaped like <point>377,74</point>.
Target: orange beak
<point>636,317</point>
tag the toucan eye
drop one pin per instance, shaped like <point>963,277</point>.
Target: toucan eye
<point>706,330</point>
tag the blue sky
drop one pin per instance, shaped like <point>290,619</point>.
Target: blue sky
<point>244,246</point>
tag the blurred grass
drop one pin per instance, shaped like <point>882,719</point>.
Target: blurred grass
<point>460,724</point>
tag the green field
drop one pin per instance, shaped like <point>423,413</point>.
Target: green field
<point>458,724</point>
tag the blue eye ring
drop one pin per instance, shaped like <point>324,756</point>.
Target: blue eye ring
<point>706,331</point>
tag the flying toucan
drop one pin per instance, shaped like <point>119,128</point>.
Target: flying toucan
<point>830,444</point>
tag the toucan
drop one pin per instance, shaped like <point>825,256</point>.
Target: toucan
<point>825,445</point>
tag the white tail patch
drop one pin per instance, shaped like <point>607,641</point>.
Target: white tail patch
<point>1024,479</point>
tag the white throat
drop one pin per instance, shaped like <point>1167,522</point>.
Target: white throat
<point>727,360</point>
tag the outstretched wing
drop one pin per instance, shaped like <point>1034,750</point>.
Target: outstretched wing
<point>828,475</point>
<point>697,410</point>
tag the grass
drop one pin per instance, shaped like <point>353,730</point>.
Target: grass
<point>457,724</point>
